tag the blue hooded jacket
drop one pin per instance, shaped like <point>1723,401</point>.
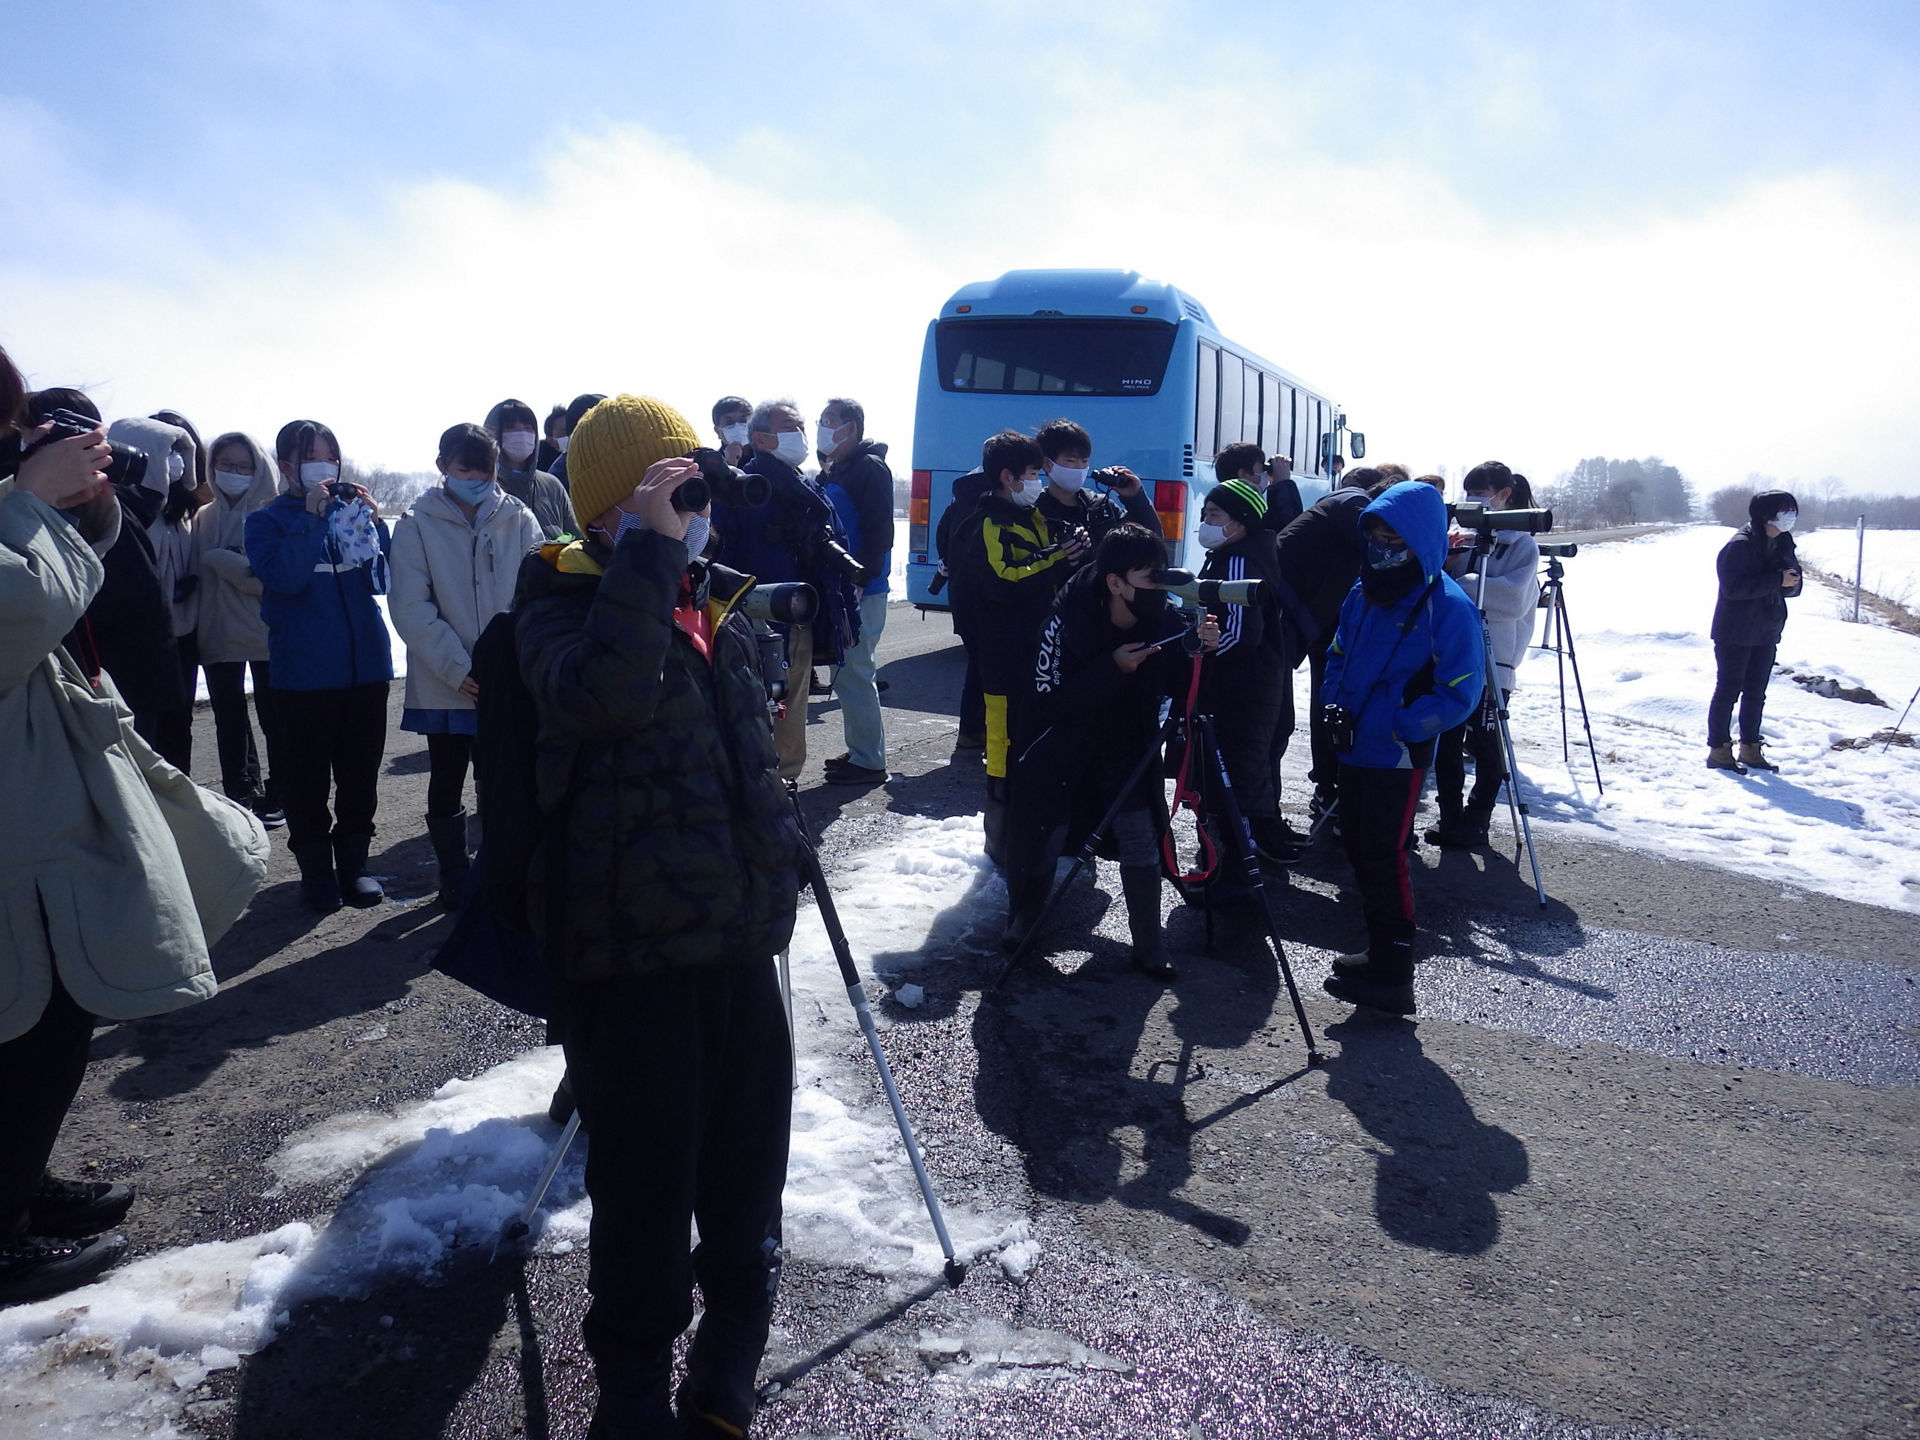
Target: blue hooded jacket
<point>1409,670</point>
<point>324,631</point>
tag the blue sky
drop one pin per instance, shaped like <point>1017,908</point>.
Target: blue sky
<point>1518,188</point>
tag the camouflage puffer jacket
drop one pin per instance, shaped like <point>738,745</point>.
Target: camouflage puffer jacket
<point>656,768</point>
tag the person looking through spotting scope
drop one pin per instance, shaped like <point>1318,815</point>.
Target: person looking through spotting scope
<point>663,886</point>
<point>1406,664</point>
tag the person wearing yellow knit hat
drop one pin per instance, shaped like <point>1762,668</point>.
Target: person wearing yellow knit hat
<point>664,885</point>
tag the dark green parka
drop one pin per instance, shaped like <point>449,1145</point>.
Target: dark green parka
<point>656,766</point>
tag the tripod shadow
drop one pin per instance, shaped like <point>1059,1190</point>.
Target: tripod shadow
<point>1442,1164</point>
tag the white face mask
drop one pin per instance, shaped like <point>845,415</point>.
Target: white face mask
<point>699,528</point>
<point>233,485</point>
<point>1212,537</point>
<point>318,472</point>
<point>791,446</point>
<point>176,467</point>
<point>517,445</point>
<point>735,434</point>
<point>1785,519</point>
<point>561,443</point>
<point>1028,495</point>
<point>1068,478</point>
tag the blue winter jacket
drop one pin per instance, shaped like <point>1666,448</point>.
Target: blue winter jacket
<point>1410,670</point>
<point>324,631</point>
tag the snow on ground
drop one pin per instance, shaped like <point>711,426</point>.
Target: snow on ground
<point>1889,562</point>
<point>444,1176</point>
<point>1844,822</point>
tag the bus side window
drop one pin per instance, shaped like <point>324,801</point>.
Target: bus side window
<point>1250,416</point>
<point>1230,373</point>
<point>1297,437</point>
<point>1206,413</point>
<point>1269,415</point>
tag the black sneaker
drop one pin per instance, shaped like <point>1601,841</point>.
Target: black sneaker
<point>75,1209</point>
<point>36,1266</point>
<point>268,812</point>
<point>1459,835</point>
<point>1357,987</point>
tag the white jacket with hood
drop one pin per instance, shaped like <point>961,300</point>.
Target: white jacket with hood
<point>230,627</point>
<point>1510,597</point>
<point>172,540</point>
<point>449,577</point>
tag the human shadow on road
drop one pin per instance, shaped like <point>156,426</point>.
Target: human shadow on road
<point>1065,1073</point>
<point>1442,1164</point>
<point>178,1052</point>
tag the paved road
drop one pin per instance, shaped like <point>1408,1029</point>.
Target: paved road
<point>1647,1162</point>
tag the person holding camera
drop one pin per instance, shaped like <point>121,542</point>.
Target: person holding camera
<point>456,558</point>
<point>1271,479</point>
<point>172,477</point>
<point>664,884</point>
<point>1759,572</point>
<point>1502,574</point>
<point>97,884</point>
<point>1108,655</point>
<point>320,552</point>
<point>1407,664</point>
<point>795,536</point>
<point>1007,567</point>
<point>231,634</point>
<point>1248,681</point>
<point>1068,504</point>
<point>854,474</point>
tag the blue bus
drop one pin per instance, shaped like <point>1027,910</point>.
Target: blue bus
<point>1137,362</point>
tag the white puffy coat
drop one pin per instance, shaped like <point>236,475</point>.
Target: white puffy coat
<point>1510,598</point>
<point>449,577</point>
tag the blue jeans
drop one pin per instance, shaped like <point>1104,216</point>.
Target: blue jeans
<point>859,701</point>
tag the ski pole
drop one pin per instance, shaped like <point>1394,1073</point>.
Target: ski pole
<point>518,1229</point>
<point>1903,718</point>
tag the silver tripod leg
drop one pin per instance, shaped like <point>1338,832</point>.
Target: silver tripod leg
<point>786,995</point>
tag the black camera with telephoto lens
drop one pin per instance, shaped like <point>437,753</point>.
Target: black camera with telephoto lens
<point>1339,722</point>
<point>126,466</point>
<point>718,480</point>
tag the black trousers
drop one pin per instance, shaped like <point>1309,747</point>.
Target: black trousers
<point>682,1078</point>
<point>1744,671</point>
<point>1376,811</point>
<point>1245,733</point>
<point>240,774</point>
<point>1282,733</point>
<point>40,1073</point>
<point>329,740</point>
<point>1325,772</point>
<point>1477,736</point>
<point>448,757</point>
<point>973,705</point>
<point>170,733</point>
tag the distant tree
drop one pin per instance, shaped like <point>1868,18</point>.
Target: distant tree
<point>394,491</point>
<point>1728,505</point>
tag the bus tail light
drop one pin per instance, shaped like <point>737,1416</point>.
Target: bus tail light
<point>1170,504</point>
<point>919,509</point>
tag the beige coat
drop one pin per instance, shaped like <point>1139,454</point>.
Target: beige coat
<point>447,579</point>
<point>115,869</point>
<point>230,626</point>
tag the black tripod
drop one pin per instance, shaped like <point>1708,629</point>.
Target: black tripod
<point>1199,732</point>
<point>1553,599</point>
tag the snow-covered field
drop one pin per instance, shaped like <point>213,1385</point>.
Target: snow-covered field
<point>1889,564</point>
<point>445,1175</point>
<point>1845,822</point>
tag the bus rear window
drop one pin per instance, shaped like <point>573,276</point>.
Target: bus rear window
<point>1053,357</point>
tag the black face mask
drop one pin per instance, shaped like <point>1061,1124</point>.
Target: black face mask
<point>1390,573</point>
<point>1147,604</point>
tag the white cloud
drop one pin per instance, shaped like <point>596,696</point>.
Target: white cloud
<point>1767,332</point>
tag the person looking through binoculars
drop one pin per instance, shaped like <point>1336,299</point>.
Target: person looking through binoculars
<point>1067,503</point>
<point>1008,562</point>
<point>663,886</point>
<point>1507,566</point>
<point>1110,651</point>
<point>1407,664</point>
<point>1250,673</point>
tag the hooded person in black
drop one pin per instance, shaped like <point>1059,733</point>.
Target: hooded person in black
<point>1759,572</point>
<point>514,427</point>
<point>1249,676</point>
<point>1102,669</point>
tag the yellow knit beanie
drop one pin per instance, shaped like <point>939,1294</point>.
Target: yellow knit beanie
<point>613,445</point>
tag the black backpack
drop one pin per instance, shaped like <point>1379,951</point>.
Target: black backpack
<point>491,948</point>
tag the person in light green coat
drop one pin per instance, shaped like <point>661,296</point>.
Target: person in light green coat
<point>116,871</point>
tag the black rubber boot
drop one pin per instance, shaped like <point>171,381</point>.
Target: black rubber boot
<point>637,1402</point>
<point>1140,884</point>
<point>319,885</point>
<point>350,864</point>
<point>1466,829</point>
<point>719,1397</point>
<point>1381,984</point>
<point>449,836</point>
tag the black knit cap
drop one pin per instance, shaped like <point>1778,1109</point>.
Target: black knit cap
<point>1240,500</point>
<point>1768,503</point>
